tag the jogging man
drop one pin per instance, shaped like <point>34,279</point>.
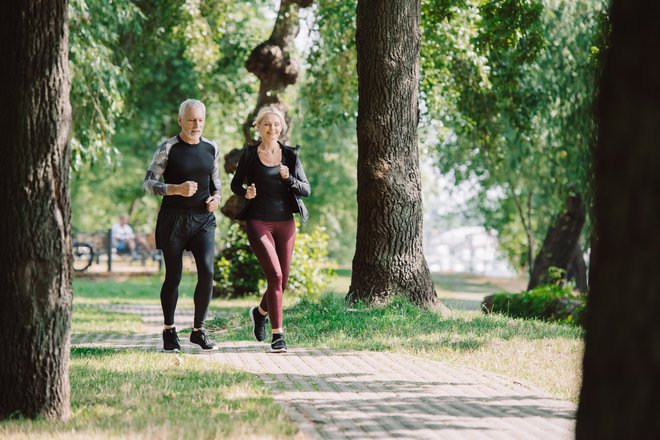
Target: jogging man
<point>190,187</point>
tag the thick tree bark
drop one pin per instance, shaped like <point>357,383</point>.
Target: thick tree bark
<point>35,280</point>
<point>560,242</point>
<point>577,270</point>
<point>389,259</point>
<point>620,396</point>
<point>272,63</point>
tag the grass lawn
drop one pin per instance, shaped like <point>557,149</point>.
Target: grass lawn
<point>141,395</point>
<point>148,395</point>
<point>131,394</point>
<point>543,354</point>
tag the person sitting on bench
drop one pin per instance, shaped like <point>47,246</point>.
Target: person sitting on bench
<point>125,240</point>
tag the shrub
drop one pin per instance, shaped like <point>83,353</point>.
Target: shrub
<point>551,302</point>
<point>238,273</point>
<point>310,270</point>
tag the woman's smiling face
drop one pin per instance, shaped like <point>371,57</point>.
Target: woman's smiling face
<point>270,127</point>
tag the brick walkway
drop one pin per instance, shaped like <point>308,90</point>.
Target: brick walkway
<point>342,395</point>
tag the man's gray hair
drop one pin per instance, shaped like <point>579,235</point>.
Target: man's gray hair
<point>190,103</point>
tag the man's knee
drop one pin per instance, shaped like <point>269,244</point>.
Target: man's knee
<point>205,271</point>
<point>173,279</point>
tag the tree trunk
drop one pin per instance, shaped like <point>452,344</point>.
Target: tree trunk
<point>388,257</point>
<point>271,62</point>
<point>620,396</point>
<point>577,270</point>
<point>35,280</point>
<point>560,242</point>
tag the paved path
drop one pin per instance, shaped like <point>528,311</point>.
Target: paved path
<point>358,395</point>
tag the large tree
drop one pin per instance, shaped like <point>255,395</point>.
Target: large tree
<point>35,280</point>
<point>388,256</point>
<point>620,396</point>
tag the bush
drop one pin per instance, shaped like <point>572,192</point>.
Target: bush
<point>551,302</point>
<point>310,267</point>
<point>238,273</point>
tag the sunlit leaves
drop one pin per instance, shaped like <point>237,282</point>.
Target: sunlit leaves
<point>99,74</point>
<point>518,116</point>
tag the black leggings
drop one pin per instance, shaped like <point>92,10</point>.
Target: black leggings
<point>193,231</point>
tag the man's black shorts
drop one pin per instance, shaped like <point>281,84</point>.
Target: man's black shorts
<point>179,229</point>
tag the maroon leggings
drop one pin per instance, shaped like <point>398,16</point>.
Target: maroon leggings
<point>272,243</point>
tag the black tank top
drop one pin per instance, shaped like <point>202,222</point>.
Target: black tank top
<point>272,201</point>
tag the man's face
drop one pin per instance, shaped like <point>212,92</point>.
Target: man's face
<point>192,124</point>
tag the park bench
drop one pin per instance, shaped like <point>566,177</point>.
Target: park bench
<point>106,252</point>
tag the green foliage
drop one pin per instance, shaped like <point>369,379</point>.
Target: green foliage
<point>327,110</point>
<point>99,74</point>
<point>132,63</point>
<point>509,99</point>
<point>237,270</point>
<point>544,302</point>
<point>329,155</point>
<point>310,273</point>
<point>238,273</point>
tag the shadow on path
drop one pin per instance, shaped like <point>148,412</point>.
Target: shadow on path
<point>336,395</point>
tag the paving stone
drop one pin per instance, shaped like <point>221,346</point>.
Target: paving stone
<point>359,395</point>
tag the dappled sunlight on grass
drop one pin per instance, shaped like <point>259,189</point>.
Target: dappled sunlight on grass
<point>128,290</point>
<point>541,353</point>
<point>94,320</point>
<point>125,394</point>
<point>544,354</point>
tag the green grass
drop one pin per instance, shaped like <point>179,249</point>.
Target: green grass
<point>91,294</point>
<point>146,395</point>
<point>142,290</point>
<point>544,354</point>
<point>460,291</point>
<point>89,319</point>
<point>128,394</point>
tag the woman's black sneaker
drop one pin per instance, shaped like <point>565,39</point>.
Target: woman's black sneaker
<point>258,324</point>
<point>278,345</point>
<point>171,340</point>
<point>199,337</point>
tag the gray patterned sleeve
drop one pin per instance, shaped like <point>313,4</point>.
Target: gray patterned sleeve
<point>215,174</point>
<point>152,182</point>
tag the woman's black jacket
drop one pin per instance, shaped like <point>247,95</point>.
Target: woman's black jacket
<point>298,184</point>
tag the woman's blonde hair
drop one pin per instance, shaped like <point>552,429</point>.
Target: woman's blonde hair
<point>267,110</point>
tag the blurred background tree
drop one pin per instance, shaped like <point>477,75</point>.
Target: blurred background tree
<point>506,89</point>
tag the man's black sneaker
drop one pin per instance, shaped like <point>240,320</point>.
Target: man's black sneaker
<point>199,337</point>
<point>258,324</point>
<point>278,346</point>
<point>171,340</point>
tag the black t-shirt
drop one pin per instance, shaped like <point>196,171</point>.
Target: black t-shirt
<point>177,162</point>
<point>273,198</point>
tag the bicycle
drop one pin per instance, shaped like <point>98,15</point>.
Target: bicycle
<point>83,256</point>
